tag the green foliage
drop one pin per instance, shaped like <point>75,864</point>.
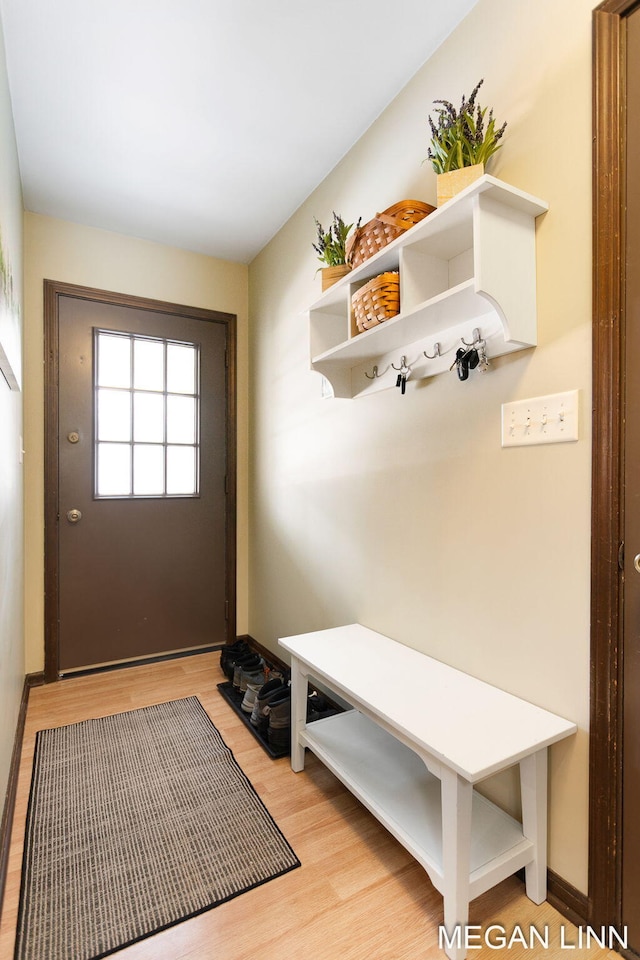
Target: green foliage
<point>330,244</point>
<point>460,138</point>
<point>7,293</point>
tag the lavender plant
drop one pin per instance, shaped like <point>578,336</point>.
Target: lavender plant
<point>460,138</point>
<point>331,244</point>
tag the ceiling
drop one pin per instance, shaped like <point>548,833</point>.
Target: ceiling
<point>202,124</point>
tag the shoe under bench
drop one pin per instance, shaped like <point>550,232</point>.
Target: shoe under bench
<point>412,750</point>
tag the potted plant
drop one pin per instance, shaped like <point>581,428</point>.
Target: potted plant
<point>330,246</point>
<point>462,142</point>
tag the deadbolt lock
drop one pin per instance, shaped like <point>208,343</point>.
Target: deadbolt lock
<point>73,516</point>
<point>73,437</point>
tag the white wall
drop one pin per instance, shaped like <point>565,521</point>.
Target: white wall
<point>11,497</point>
<point>404,513</point>
<point>57,250</point>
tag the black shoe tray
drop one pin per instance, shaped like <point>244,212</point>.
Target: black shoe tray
<point>234,700</point>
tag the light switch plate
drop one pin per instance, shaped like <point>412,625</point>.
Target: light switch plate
<point>550,419</point>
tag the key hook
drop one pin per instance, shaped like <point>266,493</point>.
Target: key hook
<point>477,339</point>
<point>403,365</point>
<point>436,352</point>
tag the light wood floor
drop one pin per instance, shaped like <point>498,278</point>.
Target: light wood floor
<point>358,895</point>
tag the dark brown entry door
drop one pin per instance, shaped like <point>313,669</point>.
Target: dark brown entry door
<point>142,454</point>
<point>631,644</point>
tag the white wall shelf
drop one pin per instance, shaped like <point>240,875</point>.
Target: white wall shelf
<point>469,264</point>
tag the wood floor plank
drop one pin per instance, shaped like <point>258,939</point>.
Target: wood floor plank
<point>358,895</point>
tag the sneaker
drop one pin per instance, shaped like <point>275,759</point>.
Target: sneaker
<point>251,663</point>
<point>255,675</point>
<point>279,730</point>
<point>316,707</point>
<point>250,694</point>
<point>259,715</point>
<point>231,653</point>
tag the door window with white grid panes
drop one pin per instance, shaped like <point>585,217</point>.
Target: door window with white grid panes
<point>147,415</point>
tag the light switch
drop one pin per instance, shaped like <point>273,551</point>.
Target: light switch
<point>550,419</point>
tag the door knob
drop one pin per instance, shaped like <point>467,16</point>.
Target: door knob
<point>73,516</point>
<point>636,562</point>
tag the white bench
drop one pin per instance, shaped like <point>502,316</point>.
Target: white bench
<point>421,734</point>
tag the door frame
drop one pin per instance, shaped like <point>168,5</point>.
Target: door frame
<point>605,766</point>
<point>53,290</point>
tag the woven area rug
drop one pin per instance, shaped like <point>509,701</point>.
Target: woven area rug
<point>136,822</point>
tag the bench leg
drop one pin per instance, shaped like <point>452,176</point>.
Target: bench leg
<point>457,795</point>
<point>299,690</point>
<point>533,786</point>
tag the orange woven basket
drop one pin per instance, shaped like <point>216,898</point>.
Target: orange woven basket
<point>377,301</point>
<point>385,227</point>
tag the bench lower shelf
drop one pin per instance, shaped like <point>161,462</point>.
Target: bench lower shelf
<point>395,785</point>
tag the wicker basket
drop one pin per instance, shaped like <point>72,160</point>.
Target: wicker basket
<point>385,227</point>
<point>377,301</point>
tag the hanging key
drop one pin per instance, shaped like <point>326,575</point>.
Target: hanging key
<point>466,359</point>
<point>483,365</point>
<point>404,374</point>
<point>461,354</point>
<point>461,364</point>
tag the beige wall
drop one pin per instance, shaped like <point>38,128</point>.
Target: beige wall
<point>404,513</point>
<point>11,498</point>
<point>57,250</point>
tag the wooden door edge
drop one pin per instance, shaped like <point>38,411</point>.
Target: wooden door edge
<point>605,770</point>
<point>51,371</point>
<point>232,478</point>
